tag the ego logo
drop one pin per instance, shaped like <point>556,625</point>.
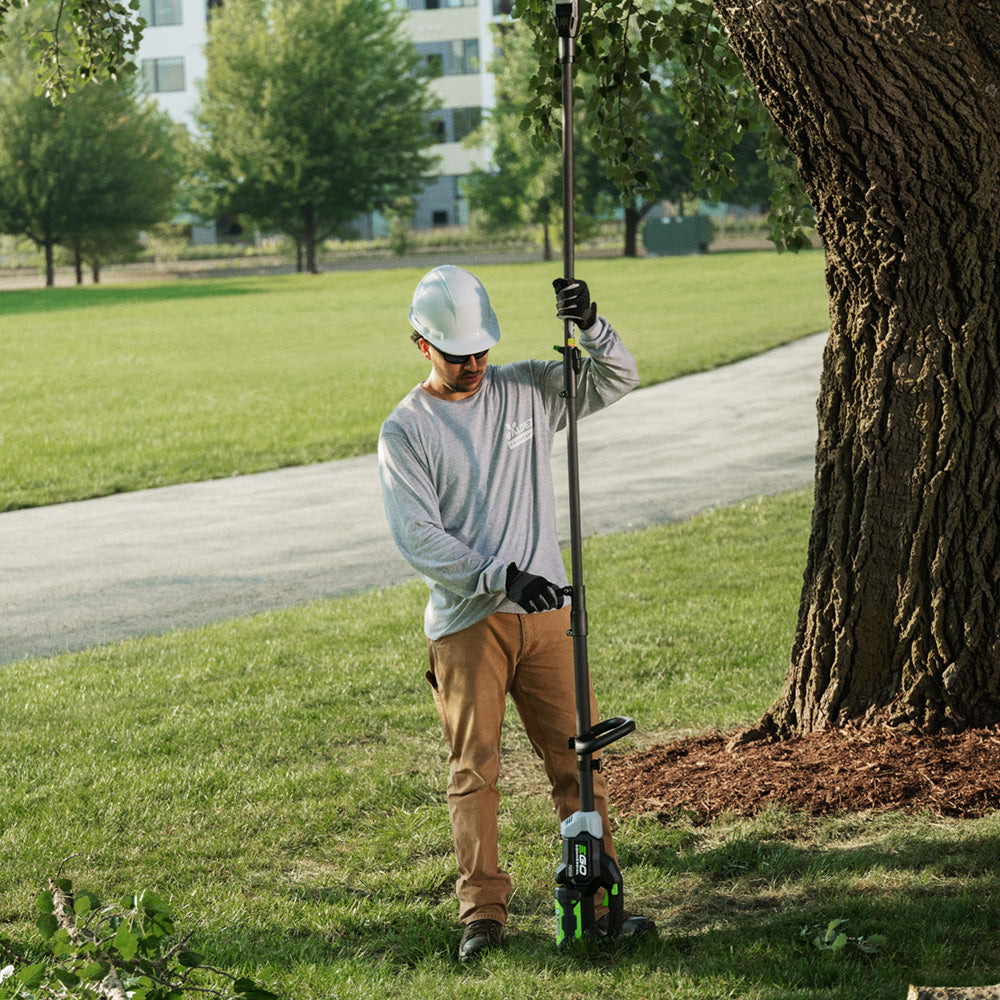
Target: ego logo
<point>581,860</point>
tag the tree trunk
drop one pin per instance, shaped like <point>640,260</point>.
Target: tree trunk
<point>309,238</point>
<point>632,219</point>
<point>892,111</point>
<point>78,265</point>
<point>50,267</point>
<point>95,270</point>
<point>310,253</point>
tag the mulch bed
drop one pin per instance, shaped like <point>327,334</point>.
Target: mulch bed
<point>835,771</point>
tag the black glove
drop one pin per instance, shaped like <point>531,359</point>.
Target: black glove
<point>573,302</point>
<point>533,593</point>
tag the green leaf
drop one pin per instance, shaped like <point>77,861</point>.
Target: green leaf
<point>190,959</point>
<point>85,902</point>
<point>254,992</point>
<point>95,972</point>
<point>871,944</point>
<point>45,903</point>
<point>152,903</point>
<point>47,924</point>
<point>31,976</point>
<point>833,930</point>
<point>69,979</point>
<point>126,942</point>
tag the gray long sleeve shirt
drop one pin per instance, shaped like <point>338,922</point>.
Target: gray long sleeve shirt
<point>467,484</point>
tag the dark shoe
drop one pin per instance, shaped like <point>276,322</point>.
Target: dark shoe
<point>633,926</point>
<point>479,936</point>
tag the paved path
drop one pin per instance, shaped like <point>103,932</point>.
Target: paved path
<point>81,574</point>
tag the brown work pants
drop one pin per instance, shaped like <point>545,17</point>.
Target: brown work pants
<point>529,657</point>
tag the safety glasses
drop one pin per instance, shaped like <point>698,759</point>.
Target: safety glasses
<point>461,359</point>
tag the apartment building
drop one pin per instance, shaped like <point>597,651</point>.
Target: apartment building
<point>453,36</point>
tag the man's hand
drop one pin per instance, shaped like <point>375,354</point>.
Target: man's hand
<point>533,593</point>
<point>573,302</point>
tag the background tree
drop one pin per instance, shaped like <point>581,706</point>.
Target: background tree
<point>891,112</point>
<point>624,51</point>
<point>312,115</point>
<point>86,172</point>
<point>522,186</point>
<point>524,181</point>
<point>671,175</point>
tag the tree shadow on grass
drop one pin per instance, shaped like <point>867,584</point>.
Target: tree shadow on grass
<point>22,301</point>
<point>743,920</point>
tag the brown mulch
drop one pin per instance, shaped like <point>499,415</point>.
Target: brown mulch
<point>844,770</point>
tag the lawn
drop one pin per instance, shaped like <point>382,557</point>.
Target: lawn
<point>279,781</point>
<point>125,387</point>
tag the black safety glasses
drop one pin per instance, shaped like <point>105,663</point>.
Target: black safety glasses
<point>461,359</point>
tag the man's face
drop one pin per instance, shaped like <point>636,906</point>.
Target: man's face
<point>456,378</point>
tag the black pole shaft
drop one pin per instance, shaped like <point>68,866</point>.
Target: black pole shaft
<point>578,615</point>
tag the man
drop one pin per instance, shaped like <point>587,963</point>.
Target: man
<point>466,480</point>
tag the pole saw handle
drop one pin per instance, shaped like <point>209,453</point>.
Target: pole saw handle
<point>602,735</point>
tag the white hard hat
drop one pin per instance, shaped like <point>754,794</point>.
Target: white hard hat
<point>452,311</point>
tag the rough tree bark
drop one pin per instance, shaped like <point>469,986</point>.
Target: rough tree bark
<point>892,109</point>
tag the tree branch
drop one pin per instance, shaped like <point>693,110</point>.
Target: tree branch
<point>111,986</point>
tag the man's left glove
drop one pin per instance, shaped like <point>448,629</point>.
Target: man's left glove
<point>533,593</point>
<point>573,302</point>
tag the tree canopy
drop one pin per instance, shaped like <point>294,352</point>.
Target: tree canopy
<point>622,49</point>
<point>523,181</point>
<point>522,185</point>
<point>312,114</point>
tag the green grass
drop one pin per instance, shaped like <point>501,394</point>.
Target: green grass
<point>113,388</point>
<point>280,780</point>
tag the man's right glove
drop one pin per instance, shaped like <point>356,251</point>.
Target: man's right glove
<point>573,302</point>
<point>533,593</point>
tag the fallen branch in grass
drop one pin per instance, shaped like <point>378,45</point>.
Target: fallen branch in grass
<point>129,952</point>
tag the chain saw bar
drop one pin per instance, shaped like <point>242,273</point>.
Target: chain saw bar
<point>602,735</point>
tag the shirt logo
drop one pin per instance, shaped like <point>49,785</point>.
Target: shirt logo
<point>519,433</point>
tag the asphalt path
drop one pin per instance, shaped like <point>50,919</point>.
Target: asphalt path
<point>82,574</point>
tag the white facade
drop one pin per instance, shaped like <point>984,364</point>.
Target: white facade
<point>171,56</point>
<point>456,41</point>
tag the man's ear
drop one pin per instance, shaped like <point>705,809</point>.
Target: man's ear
<point>426,348</point>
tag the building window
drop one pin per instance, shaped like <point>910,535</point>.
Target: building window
<point>455,58</point>
<point>465,120</point>
<point>464,56</point>
<point>160,12</point>
<point>163,76</point>
<point>439,128</point>
<point>454,124</point>
<point>434,4</point>
<point>435,65</point>
<point>439,218</point>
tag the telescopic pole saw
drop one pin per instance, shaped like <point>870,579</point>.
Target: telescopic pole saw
<point>586,873</point>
